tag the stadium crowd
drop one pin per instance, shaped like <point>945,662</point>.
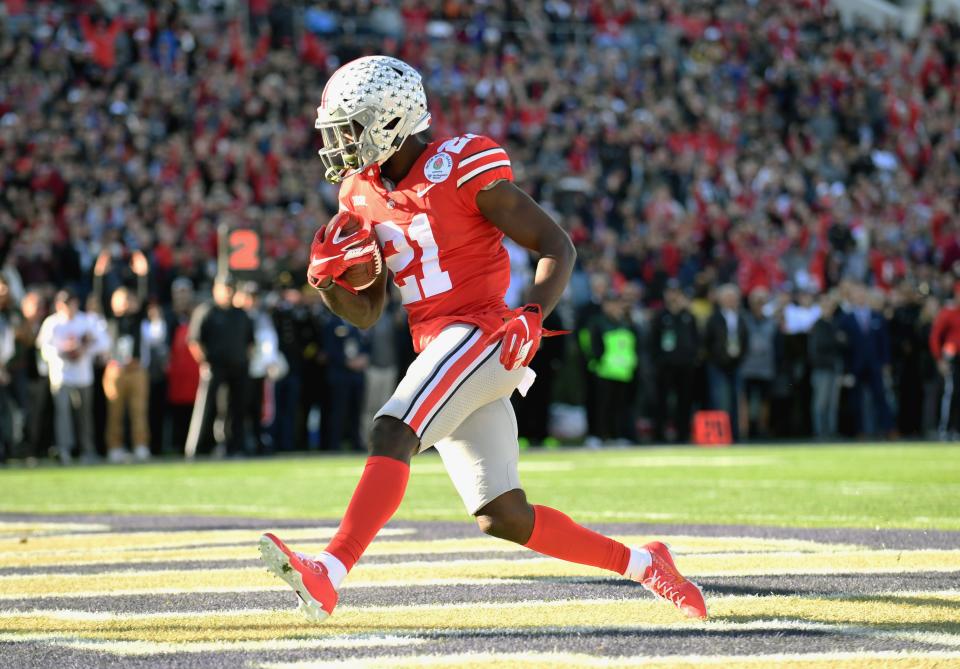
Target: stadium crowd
<point>764,204</point>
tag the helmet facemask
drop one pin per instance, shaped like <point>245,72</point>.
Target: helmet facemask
<point>347,145</point>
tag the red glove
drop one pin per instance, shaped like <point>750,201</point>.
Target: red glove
<point>334,251</point>
<point>521,336</point>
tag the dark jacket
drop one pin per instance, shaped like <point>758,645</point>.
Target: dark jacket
<point>825,345</point>
<point>720,352</point>
<point>674,339</point>
<point>342,342</point>
<point>866,348</point>
<point>226,334</point>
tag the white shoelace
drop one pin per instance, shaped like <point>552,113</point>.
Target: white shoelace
<point>665,589</point>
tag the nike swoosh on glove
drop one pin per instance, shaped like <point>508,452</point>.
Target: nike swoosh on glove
<point>521,336</point>
<point>333,250</point>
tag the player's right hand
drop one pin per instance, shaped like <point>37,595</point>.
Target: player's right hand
<point>345,241</point>
<point>521,336</point>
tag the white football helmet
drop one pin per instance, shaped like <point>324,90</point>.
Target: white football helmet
<point>369,107</point>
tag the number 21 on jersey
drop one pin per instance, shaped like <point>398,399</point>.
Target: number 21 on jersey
<point>433,280</point>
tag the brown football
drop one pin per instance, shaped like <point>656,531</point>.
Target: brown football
<point>364,274</point>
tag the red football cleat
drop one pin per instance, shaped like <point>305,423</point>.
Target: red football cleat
<point>307,577</point>
<point>664,580</point>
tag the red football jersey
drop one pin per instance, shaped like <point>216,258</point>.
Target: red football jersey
<point>447,259</point>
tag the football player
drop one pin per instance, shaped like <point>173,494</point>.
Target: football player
<point>439,211</point>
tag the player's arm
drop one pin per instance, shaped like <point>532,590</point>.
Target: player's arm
<point>362,309</point>
<point>525,222</point>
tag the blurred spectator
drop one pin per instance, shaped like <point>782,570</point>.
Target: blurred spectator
<point>599,286</point>
<point>520,273</point>
<point>348,357</point>
<point>316,395</point>
<point>221,341</point>
<point>7,351</point>
<point>126,380</point>
<point>798,311</point>
<point>868,363</point>
<point>291,320</point>
<point>381,374</point>
<point>759,364</point>
<point>615,348</point>
<point>267,364</point>
<point>931,377</point>
<point>762,144</point>
<point>155,349</point>
<point>909,347</point>
<point>944,344</point>
<point>800,314</point>
<point>675,344</point>
<point>183,371</point>
<point>726,339</point>
<point>31,371</point>
<point>68,340</point>
<point>826,351</point>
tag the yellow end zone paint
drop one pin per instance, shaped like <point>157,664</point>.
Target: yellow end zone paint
<point>139,540</point>
<point>862,616</point>
<point>181,548</point>
<point>20,530</point>
<point>414,573</point>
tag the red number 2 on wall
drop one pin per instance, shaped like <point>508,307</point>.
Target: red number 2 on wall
<point>244,250</point>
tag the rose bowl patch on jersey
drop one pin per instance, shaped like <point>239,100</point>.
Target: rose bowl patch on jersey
<point>438,168</point>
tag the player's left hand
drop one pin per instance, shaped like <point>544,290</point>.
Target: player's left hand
<point>347,240</point>
<point>521,336</point>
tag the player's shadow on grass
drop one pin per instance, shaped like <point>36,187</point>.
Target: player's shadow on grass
<point>761,591</point>
<point>906,600</point>
<point>625,586</point>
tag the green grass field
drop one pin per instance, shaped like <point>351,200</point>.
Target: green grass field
<point>895,486</point>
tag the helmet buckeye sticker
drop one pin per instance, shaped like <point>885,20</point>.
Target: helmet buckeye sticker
<point>438,168</point>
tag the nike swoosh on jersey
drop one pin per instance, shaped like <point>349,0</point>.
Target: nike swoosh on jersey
<point>421,193</point>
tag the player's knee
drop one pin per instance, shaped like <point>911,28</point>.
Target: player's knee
<point>393,438</point>
<point>509,517</point>
<point>515,527</point>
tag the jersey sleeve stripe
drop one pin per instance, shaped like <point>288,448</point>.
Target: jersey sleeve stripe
<point>481,155</point>
<point>480,170</point>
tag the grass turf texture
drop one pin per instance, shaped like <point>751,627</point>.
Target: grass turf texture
<point>897,486</point>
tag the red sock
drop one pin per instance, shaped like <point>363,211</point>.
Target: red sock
<point>555,534</point>
<point>374,501</point>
